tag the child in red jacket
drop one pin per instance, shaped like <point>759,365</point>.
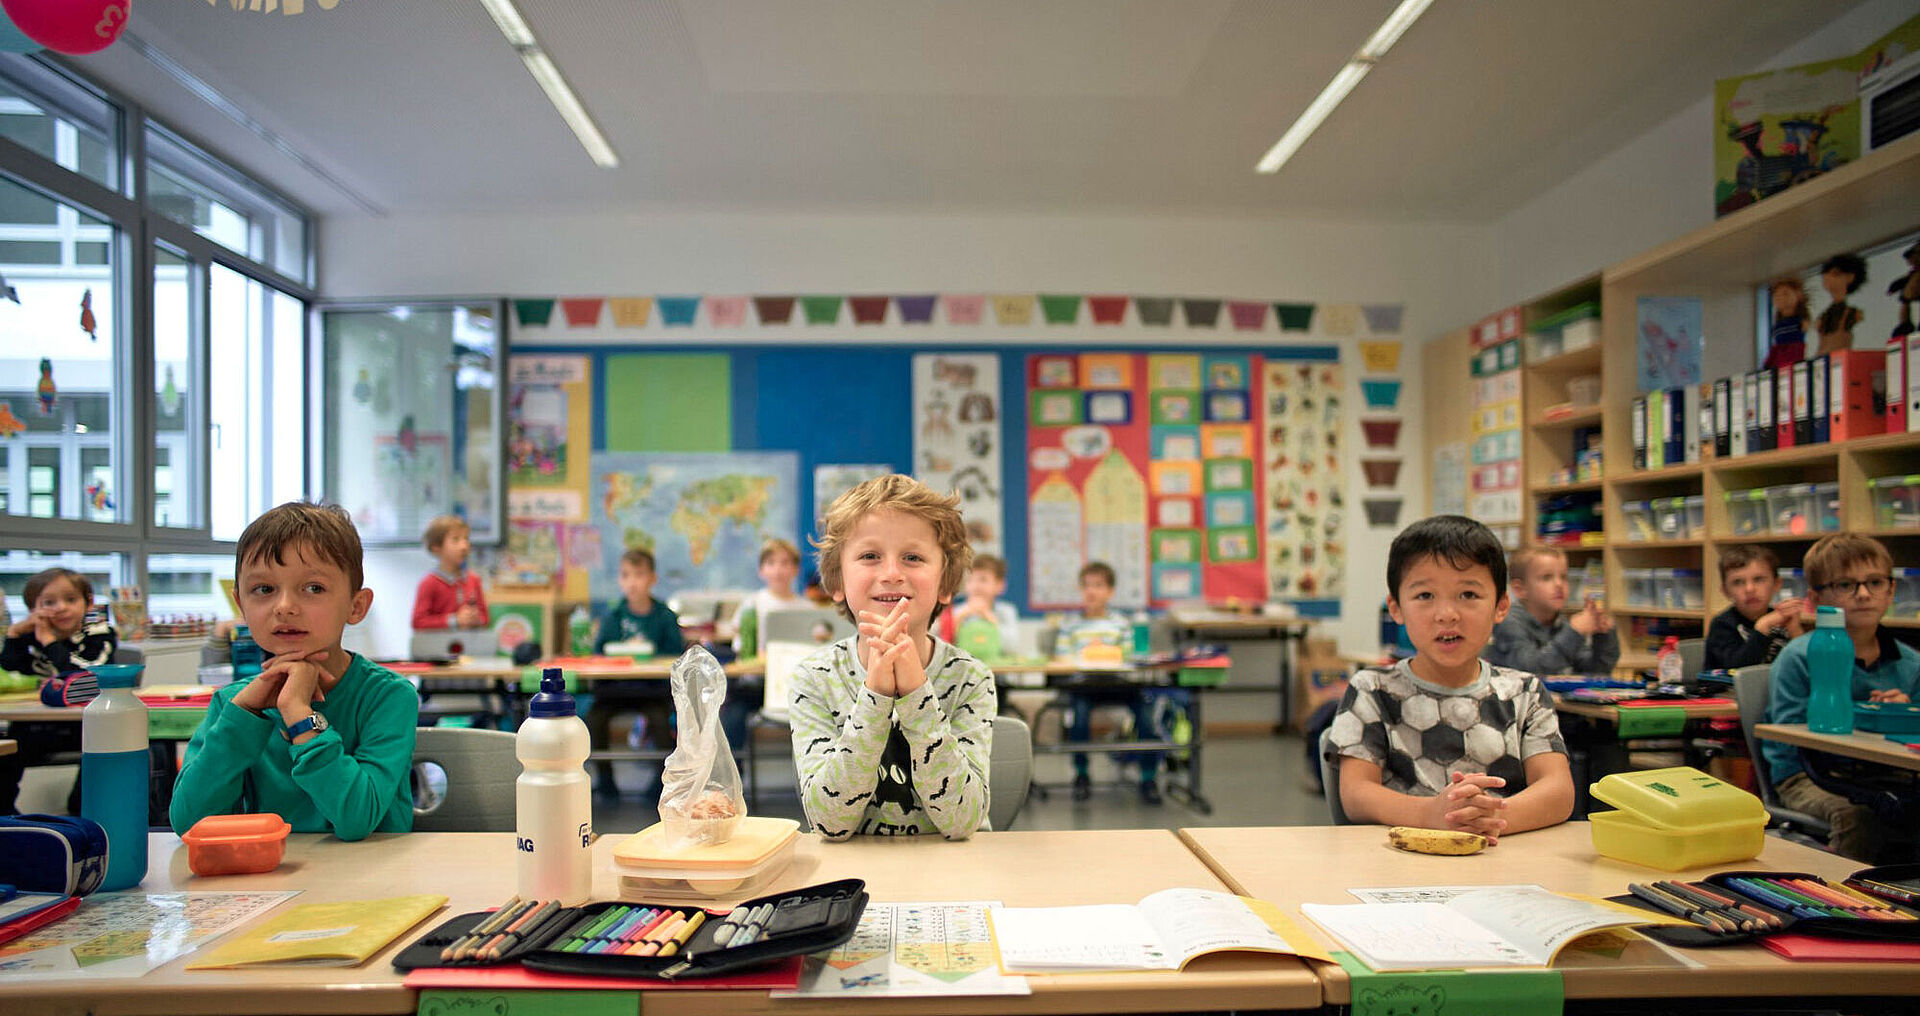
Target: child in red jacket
<point>450,595</point>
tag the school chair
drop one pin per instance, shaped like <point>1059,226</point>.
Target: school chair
<point>1750,686</point>
<point>780,657</point>
<point>473,788</point>
<point>1330,780</point>
<point>1693,656</point>
<point>1009,770</point>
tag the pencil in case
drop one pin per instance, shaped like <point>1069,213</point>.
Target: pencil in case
<point>1791,910</point>
<point>604,937</point>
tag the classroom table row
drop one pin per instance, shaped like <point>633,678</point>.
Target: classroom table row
<point>1287,865</point>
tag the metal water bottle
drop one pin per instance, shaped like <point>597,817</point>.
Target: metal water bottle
<point>113,772</point>
<point>553,798</point>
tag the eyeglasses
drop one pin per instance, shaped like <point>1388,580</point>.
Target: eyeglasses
<point>1847,587</point>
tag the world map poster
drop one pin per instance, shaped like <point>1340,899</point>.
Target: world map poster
<point>703,514</point>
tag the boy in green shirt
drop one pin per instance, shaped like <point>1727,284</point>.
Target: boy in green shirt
<point>636,617</point>
<point>322,737</point>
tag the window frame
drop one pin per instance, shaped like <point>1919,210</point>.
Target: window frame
<point>138,230</point>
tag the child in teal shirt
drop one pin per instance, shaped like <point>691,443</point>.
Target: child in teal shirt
<point>321,737</point>
<point>635,617</point>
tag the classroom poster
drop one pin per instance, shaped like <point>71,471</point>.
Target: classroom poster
<point>1668,347</point>
<point>1148,463</point>
<point>1305,474</point>
<point>414,474</point>
<point>549,429</point>
<point>703,514</point>
<point>956,435</point>
<point>831,481</point>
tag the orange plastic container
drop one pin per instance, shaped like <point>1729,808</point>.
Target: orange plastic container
<point>236,844</point>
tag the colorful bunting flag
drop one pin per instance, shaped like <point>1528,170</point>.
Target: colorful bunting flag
<point>773,310</point>
<point>1294,317</point>
<point>821,310</point>
<point>727,311</point>
<point>1339,319</point>
<point>1013,308</point>
<point>631,311</point>
<point>582,311</point>
<point>1248,315</point>
<point>915,310</point>
<point>533,312</point>
<point>868,310</point>
<point>964,309</point>
<point>1156,311</point>
<point>1107,310</point>
<point>1382,318</point>
<point>679,311</point>
<point>1060,308</point>
<point>1201,313</point>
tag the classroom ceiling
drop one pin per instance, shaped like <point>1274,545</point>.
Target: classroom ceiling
<point>1070,106</point>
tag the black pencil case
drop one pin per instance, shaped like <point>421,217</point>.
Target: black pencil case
<point>813,919</point>
<point>1831,927</point>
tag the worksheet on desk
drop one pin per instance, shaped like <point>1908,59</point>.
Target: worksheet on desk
<point>903,950</point>
<point>127,934</point>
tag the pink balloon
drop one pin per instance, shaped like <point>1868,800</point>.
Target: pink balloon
<point>70,26</point>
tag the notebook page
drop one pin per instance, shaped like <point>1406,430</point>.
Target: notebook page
<point>1414,936</point>
<point>1538,921</point>
<point>1113,936</point>
<point>1196,921</point>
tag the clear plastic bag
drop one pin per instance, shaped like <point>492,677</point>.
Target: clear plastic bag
<point>700,798</point>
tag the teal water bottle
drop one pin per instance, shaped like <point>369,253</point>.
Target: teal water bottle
<point>1830,675</point>
<point>245,652</point>
<point>113,772</point>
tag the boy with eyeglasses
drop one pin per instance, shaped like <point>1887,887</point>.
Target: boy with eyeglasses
<point>1853,573</point>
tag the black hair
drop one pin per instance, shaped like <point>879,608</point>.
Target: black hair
<point>1455,539</point>
<point>1852,264</point>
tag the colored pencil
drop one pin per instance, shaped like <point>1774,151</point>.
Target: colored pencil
<point>1669,903</point>
<point>686,931</point>
<point>502,918</point>
<point>1712,906</point>
<point>509,938</point>
<point>485,927</point>
<point>630,945</point>
<point>1826,894</point>
<point>1768,894</point>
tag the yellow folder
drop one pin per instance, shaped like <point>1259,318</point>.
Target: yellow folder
<point>327,934</point>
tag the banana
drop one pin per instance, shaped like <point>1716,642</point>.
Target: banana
<point>1435,841</point>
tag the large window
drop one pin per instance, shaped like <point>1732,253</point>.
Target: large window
<point>187,186</point>
<point>59,358</point>
<point>257,345</point>
<point>179,393</point>
<point>61,119</point>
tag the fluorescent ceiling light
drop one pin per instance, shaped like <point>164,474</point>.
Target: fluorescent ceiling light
<point>512,25</point>
<point>1343,82</point>
<point>507,17</point>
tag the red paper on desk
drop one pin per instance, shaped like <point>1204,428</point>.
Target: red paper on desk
<point>44,916</point>
<point>409,667</point>
<point>784,974</point>
<point>1655,702</point>
<point>1842,950</point>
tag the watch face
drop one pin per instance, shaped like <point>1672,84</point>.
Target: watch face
<point>319,722</point>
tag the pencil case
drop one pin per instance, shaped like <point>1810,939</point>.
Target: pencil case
<point>62,854</point>
<point>1791,915</point>
<point>1897,882</point>
<point>578,940</point>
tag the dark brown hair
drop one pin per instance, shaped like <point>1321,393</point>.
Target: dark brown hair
<point>326,530</point>
<point>640,557</point>
<point>1830,557</point>
<point>442,527</point>
<point>991,564</point>
<point>41,580</point>
<point>1741,555</point>
<point>1099,568</point>
<point>1459,541</point>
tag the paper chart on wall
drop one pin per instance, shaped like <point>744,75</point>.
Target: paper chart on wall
<point>903,950</point>
<point>129,934</point>
<point>1053,541</point>
<point>831,481</point>
<point>1116,525</point>
<point>956,438</point>
<point>1305,499</point>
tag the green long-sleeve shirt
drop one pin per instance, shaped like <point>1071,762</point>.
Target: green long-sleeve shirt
<point>659,625</point>
<point>349,780</point>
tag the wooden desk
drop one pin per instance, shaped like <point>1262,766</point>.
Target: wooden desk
<point>1861,745</point>
<point>475,870</point>
<point>8,746</point>
<point>1287,865</point>
<point>1208,625</point>
<point>1611,714</point>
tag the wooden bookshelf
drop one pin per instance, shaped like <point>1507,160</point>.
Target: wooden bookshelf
<point>1565,488</point>
<point>1585,416</point>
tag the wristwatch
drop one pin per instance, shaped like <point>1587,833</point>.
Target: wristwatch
<point>314,722</point>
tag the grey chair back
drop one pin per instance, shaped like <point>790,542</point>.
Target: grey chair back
<point>1693,657</point>
<point>1009,771</point>
<point>1330,780</point>
<point>1750,685</point>
<point>123,653</point>
<point>473,791</point>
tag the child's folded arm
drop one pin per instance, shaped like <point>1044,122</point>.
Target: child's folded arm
<point>951,734</point>
<point>354,791</point>
<point>838,764</point>
<point>1548,799</point>
<point>213,776</point>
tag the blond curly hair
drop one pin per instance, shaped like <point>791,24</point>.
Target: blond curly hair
<point>908,496</point>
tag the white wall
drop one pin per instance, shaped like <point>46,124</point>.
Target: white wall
<point>1442,273</point>
<point>1654,188</point>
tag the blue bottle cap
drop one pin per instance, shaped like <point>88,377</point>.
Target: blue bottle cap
<point>241,631</point>
<point>553,699</point>
<point>118,675</point>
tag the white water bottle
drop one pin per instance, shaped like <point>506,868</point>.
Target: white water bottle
<point>113,772</point>
<point>553,799</point>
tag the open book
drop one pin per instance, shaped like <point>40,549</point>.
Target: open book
<point>1505,926</point>
<point>1163,932</point>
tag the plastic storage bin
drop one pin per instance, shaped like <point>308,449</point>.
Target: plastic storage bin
<point>1639,519</point>
<point>760,850</point>
<point>1792,510</point>
<point>1670,517</point>
<point>1896,501</point>
<point>1696,506</point>
<point>1906,594</point>
<point>1584,390</point>
<point>1747,511</point>
<point>1826,507</point>
<point>1887,717</point>
<point>1690,588</point>
<point>1666,589</point>
<point>1639,586</point>
<point>1793,584</point>
<point>1676,818</point>
<point>236,844</point>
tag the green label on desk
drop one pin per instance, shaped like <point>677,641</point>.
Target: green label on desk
<point>484,1002</point>
<point>1452,992</point>
<point>530,679</point>
<point>1651,721</point>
